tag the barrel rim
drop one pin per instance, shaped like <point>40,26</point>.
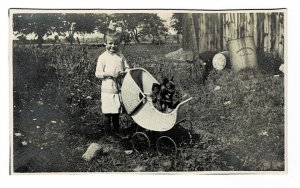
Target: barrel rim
<point>252,37</point>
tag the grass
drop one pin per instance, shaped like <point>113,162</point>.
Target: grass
<point>237,118</point>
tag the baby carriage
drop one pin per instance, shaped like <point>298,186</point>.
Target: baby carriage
<point>136,98</point>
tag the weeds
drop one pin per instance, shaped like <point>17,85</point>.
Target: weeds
<point>238,118</point>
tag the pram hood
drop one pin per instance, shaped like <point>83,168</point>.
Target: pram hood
<point>135,91</point>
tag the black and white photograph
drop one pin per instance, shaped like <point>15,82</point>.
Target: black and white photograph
<point>148,91</point>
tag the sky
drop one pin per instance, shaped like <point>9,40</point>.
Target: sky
<point>165,16</point>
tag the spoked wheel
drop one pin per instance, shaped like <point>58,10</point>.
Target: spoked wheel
<point>165,145</point>
<point>140,142</point>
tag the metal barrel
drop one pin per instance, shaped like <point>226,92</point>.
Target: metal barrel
<point>221,60</point>
<point>242,53</point>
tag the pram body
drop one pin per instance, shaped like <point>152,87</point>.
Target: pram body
<point>136,98</point>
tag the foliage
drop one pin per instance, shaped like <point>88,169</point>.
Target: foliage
<point>153,25</point>
<point>80,23</point>
<point>141,24</point>
<point>102,22</point>
<point>177,19</point>
<point>237,118</point>
<point>41,24</point>
<point>22,38</point>
<point>247,115</point>
<point>269,62</point>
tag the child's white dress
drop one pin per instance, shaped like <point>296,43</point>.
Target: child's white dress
<point>110,62</point>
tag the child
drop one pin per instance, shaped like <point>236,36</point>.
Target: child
<point>111,67</point>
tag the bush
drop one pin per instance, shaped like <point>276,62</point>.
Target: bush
<point>269,63</point>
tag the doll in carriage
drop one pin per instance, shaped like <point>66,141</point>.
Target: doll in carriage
<point>137,98</point>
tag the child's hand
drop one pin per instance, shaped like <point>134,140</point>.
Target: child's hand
<point>121,73</point>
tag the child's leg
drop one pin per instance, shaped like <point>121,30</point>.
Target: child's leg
<point>106,123</point>
<point>115,122</point>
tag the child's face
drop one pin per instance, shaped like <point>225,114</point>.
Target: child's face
<point>112,45</point>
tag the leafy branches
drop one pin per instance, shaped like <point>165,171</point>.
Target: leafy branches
<point>68,24</point>
<point>176,22</point>
<point>40,24</point>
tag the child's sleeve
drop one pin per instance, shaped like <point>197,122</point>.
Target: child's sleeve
<point>100,68</point>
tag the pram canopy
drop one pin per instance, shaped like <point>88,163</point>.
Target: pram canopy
<point>135,94</point>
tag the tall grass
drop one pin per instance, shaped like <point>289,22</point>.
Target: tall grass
<point>239,117</point>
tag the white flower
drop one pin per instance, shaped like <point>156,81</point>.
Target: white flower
<point>18,134</point>
<point>217,88</point>
<point>263,133</point>
<point>40,103</point>
<point>227,102</point>
<point>128,152</point>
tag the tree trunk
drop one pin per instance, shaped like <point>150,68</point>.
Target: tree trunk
<point>190,43</point>
<point>71,38</point>
<point>260,32</point>
<point>136,39</point>
<point>78,41</point>
<point>153,41</point>
<point>40,40</point>
<point>135,35</point>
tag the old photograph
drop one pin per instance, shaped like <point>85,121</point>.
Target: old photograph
<point>148,91</point>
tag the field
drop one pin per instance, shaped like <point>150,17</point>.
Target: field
<point>237,118</point>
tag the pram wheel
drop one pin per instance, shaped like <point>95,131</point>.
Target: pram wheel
<point>165,145</point>
<point>140,142</point>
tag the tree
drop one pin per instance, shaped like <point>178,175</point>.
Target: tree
<point>103,23</point>
<point>130,22</point>
<point>41,24</point>
<point>77,23</point>
<point>176,23</point>
<point>154,26</point>
<point>22,38</point>
<point>141,24</point>
<point>56,39</point>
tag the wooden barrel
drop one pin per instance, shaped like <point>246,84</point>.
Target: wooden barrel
<point>221,60</point>
<point>242,53</point>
